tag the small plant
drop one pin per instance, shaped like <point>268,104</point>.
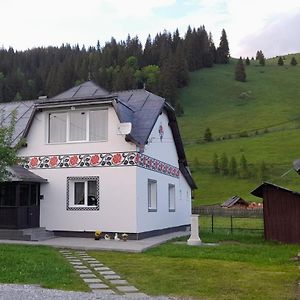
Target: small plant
<point>97,234</point>
<point>124,237</point>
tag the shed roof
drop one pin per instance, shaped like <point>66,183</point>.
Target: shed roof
<point>258,192</point>
<point>233,200</point>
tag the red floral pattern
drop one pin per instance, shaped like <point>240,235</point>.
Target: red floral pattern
<point>34,162</point>
<point>73,160</point>
<point>117,158</point>
<point>95,159</point>
<point>53,161</point>
<point>101,160</point>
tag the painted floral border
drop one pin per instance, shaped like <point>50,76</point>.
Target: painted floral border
<point>111,159</point>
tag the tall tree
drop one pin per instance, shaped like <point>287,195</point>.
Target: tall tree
<point>215,163</point>
<point>224,164</point>
<point>223,49</point>
<point>181,68</point>
<point>207,135</point>
<point>240,74</point>
<point>280,61</point>
<point>232,166</point>
<point>293,61</point>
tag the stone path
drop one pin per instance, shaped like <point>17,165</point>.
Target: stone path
<point>100,279</point>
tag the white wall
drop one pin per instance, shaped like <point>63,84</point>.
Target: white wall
<point>117,211</point>
<point>162,218</point>
<point>164,150</point>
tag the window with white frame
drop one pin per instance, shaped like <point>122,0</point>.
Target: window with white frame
<point>83,193</point>
<point>152,195</point>
<point>78,126</point>
<point>171,197</point>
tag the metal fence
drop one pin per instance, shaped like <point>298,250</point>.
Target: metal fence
<point>231,220</point>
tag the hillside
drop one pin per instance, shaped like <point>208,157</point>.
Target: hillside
<point>259,119</point>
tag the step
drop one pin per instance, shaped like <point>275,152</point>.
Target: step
<point>28,234</point>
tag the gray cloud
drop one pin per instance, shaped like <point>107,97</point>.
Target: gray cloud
<point>280,36</point>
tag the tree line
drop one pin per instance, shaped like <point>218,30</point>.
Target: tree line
<point>162,65</point>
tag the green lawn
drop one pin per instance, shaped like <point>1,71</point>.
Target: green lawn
<point>247,268</point>
<point>38,265</point>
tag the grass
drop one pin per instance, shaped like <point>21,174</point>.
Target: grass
<point>247,268</point>
<point>268,100</point>
<point>225,222</point>
<point>38,265</point>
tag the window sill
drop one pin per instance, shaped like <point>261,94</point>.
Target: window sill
<point>172,210</point>
<point>76,142</point>
<point>152,209</point>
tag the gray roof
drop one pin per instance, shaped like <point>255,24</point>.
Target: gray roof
<point>234,200</point>
<point>83,91</point>
<point>139,107</point>
<point>23,109</point>
<point>18,173</point>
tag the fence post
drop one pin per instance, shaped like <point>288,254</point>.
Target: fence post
<point>231,225</point>
<point>212,223</point>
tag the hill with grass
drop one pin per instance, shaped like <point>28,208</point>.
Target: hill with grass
<point>258,119</point>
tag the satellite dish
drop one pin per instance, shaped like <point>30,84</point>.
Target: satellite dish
<point>124,128</point>
<point>296,165</point>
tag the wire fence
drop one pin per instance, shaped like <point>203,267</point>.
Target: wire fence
<point>215,219</point>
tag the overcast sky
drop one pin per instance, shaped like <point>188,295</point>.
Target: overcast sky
<point>251,25</point>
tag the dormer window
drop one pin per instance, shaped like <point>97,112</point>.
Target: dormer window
<point>78,126</point>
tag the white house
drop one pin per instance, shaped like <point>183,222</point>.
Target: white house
<point>99,161</point>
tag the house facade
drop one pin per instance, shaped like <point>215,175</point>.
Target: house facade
<point>112,162</point>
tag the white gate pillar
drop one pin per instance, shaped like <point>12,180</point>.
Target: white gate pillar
<point>194,239</point>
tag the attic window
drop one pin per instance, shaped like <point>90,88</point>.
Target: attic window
<point>78,126</point>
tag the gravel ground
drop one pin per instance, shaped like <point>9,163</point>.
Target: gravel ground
<point>35,292</point>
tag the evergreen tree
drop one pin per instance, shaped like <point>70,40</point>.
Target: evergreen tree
<point>240,74</point>
<point>263,171</point>
<point>148,52</point>
<point>212,48</point>
<point>247,61</point>
<point>280,61</point>
<point>167,81</point>
<point>223,49</point>
<point>232,166</point>
<point>181,68</point>
<point>262,60</point>
<point>293,61</point>
<point>224,164</point>
<point>243,168</point>
<point>207,135</point>
<point>215,164</point>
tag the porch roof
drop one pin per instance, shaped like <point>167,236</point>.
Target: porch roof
<point>18,173</point>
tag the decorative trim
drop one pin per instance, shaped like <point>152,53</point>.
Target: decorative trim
<point>111,159</point>
<point>82,208</point>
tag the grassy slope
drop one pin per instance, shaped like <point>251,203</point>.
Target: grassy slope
<point>213,100</point>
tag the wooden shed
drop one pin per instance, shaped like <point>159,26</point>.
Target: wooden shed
<point>235,202</point>
<point>281,212</point>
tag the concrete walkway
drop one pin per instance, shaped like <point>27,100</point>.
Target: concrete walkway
<point>111,245</point>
